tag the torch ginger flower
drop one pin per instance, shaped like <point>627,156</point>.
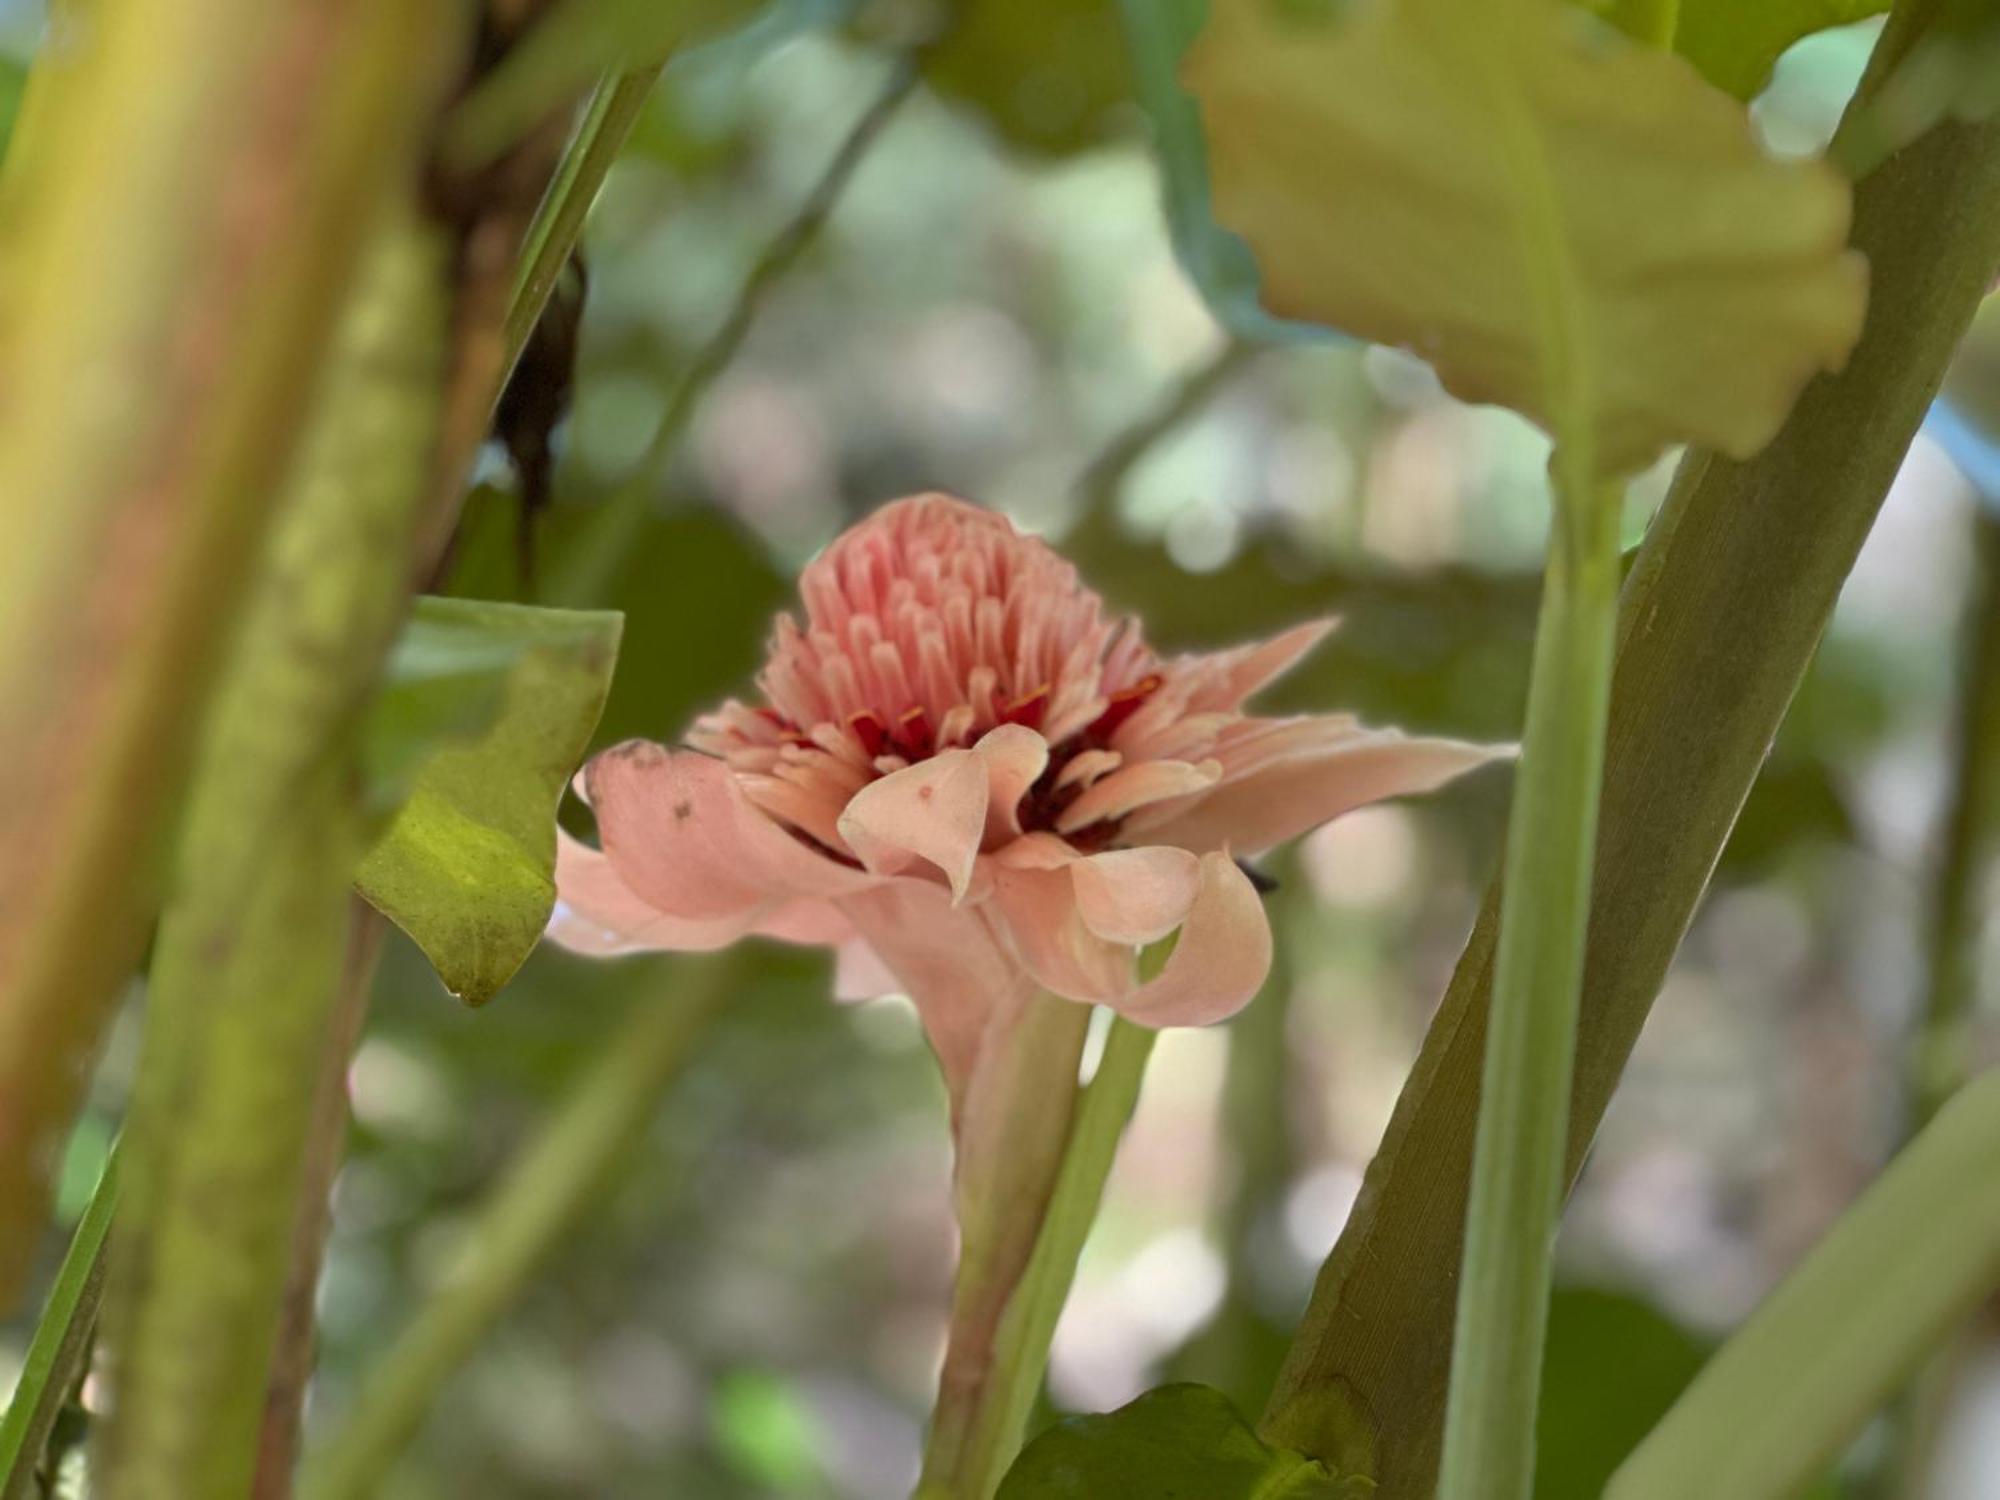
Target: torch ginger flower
<point>974,784</point>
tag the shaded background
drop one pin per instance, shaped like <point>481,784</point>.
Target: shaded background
<point>991,304</point>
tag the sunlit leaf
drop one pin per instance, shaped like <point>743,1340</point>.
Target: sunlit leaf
<point>1221,266</point>
<point>1048,75</point>
<point>1559,220</point>
<point>466,867</point>
<point>1180,1442</point>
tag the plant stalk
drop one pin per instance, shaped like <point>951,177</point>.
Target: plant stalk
<point>247,965</point>
<point>1518,1161</point>
<point>1028,1327</point>
<point>545,1194</point>
<point>1012,1133</point>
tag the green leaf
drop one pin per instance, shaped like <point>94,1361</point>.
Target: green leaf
<point>1559,220</point>
<point>1159,33</point>
<point>1050,76</point>
<point>1179,1442</point>
<point>1736,43</point>
<point>466,867</point>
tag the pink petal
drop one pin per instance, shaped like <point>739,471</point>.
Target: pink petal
<point>1136,896</point>
<point>597,913</point>
<point>1135,786</point>
<point>688,843</point>
<point>1221,960</point>
<point>1015,758</point>
<point>1290,795</point>
<point>934,811</point>
<point>1042,917</point>
<point>949,961</point>
<point>1035,851</point>
<point>1246,671</point>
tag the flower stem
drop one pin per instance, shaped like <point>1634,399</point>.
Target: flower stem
<point>1518,1159</point>
<point>1012,1131</point>
<point>545,1193</point>
<point>1021,1347</point>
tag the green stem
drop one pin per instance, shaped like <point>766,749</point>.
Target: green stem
<point>1012,1131</point>
<point>248,960</point>
<point>616,527</point>
<point>545,1194</point>
<point>60,1349</point>
<point>1778,1402</point>
<point>1518,1173</point>
<point>1021,1346</point>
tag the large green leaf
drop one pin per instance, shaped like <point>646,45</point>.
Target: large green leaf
<point>1159,33</point>
<point>1559,220</point>
<point>1180,1442</point>
<point>466,867</point>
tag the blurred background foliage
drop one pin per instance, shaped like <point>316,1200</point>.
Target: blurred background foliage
<point>991,303</point>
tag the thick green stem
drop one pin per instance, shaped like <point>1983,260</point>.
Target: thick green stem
<point>1013,1129</point>
<point>248,960</point>
<point>1021,1346</point>
<point>1718,620</point>
<point>545,1194</point>
<point>1775,1406</point>
<point>1518,1174</point>
<point>184,204</point>
<point>59,1353</point>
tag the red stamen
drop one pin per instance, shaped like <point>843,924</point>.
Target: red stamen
<point>1027,710</point>
<point>913,733</point>
<point>871,731</point>
<point>1122,705</point>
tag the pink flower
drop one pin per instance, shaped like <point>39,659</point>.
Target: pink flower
<point>972,782</point>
